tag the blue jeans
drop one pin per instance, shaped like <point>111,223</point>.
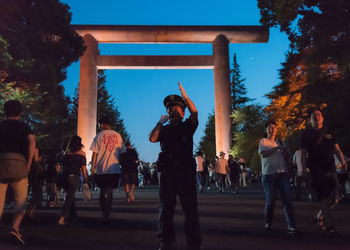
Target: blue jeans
<point>281,182</point>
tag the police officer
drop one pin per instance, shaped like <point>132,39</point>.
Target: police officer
<point>177,169</point>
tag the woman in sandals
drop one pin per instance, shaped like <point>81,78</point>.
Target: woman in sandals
<point>74,163</point>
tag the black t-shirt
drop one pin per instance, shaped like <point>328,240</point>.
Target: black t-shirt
<point>320,150</point>
<point>205,166</point>
<point>72,163</point>
<point>177,140</point>
<point>14,137</point>
<point>128,160</point>
<point>235,168</point>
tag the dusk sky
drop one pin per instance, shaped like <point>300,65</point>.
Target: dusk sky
<point>139,94</point>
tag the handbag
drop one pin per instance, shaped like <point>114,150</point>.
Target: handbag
<point>86,192</point>
<point>291,169</point>
<point>13,166</point>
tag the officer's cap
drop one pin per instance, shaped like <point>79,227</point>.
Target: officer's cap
<point>172,100</point>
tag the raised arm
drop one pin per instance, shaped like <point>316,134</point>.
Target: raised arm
<point>154,136</point>
<point>190,105</point>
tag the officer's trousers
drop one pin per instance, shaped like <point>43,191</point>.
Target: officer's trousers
<point>178,180</point>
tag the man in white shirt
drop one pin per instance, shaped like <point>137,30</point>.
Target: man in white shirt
<point>106,146</point>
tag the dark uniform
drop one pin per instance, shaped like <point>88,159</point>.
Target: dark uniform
<point>178,177</point>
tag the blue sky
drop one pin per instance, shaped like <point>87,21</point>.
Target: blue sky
<point>139,94</point>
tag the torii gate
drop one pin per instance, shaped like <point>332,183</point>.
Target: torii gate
<point>219,36</point>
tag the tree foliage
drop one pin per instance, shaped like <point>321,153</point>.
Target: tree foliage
<point>238,95</point>
<point>207,144</point>
<point>37,43</point>
<point>238,89</point>
<point>26,96</point>
<point>316,71</point>
<point>39,35</point>
<point>250,120</point>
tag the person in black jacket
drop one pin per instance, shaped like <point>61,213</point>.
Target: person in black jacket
<point>177,170</point>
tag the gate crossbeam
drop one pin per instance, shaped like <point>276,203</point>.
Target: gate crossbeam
<point>155,62</point>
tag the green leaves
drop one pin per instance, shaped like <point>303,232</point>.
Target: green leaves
<point>39,39</point>
<point>250,122</point>
<point>208,143</point>
<point>319,31</point>
<point>238,90</point>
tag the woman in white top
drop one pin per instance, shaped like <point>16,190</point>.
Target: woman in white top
<point>275,176</point>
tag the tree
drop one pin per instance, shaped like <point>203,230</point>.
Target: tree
<point>250,122</point>
<point>287,108</point>
<point>238,93</point>
<point>238,90</point>
<point>207,144</point>
<point>319,32</point>
<point>26,96</point>
<point>39,32</point>
<point>37,43</point>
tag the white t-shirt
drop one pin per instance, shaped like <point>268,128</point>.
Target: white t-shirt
<point>297,160</point>
<point>108,145</point>
<point>275,162</point>
<point>199,161</point>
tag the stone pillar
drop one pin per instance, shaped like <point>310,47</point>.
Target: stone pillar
<point>222,95</point>
<point>87,106</point>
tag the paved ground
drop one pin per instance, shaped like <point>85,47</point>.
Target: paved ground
<point>228,221</point>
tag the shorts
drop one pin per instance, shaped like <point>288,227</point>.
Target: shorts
<point>107,180</point>
<point>130,178</point>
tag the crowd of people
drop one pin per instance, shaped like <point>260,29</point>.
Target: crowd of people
<point>319,170</point>
<point>224,174</point>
